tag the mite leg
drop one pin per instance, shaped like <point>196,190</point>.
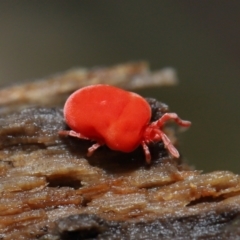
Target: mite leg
<point>146,152</point>
<point>72,134</point>
<point>171,116</point>
<point>93,148</point>
<point>169,146</point>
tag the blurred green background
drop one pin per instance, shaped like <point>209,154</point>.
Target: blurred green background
<point>201,39</point>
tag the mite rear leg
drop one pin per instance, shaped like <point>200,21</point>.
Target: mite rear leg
<point>93,148</point>
<point>72,134</point>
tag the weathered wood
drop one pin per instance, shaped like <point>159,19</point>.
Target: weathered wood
<point>50,190</point>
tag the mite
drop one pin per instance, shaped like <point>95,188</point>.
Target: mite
<point>115,117</point>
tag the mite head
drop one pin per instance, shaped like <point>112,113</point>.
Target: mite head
<point>154,133</point>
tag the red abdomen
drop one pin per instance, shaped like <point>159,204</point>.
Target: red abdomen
<point>109,115</point>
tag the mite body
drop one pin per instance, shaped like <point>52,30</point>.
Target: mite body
<point>115,117</point>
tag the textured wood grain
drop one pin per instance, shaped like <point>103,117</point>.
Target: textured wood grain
<point>50,190</point>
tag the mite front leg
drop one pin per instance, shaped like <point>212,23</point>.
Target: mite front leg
<point>171,116</point>
<point>169,146</point>
<point>146,152</point>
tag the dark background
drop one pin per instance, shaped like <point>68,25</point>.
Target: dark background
<point>201,39</point>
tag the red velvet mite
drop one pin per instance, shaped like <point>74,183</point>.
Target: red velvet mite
<point>115,117</point>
